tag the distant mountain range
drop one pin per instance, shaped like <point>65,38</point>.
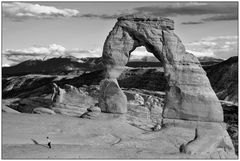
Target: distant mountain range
<point>224,79</point>
<point>74,66</point>
<point>53,66</point>
<point>207,60</point>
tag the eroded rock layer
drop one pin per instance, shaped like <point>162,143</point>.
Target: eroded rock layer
<point>189,96</point>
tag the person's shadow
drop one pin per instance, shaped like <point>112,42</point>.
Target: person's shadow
<point>36,143</point>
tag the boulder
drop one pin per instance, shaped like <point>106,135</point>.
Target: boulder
<point>111,97</point>
<point>139,99</point>
<point>94,109</point>
<point>90,115</point>
<point>70,111</point>
<point>41,110</point>
<point>134,97</point>
<point>157,127</point>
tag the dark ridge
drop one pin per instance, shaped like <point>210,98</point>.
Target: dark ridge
<point>74,66</point>
<point>29,85</point>
<point>88,78</point>
<point>224,79</point>
<point>136,64</point>
<point>53,66</point>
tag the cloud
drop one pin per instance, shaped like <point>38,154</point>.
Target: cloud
<point>101,16</point>
<point>213,11</point>
<point>202,53</point>
<point>174,9</point>
<point>192,23</point>
<point>226,17</point>
<point>14,56</point>
<point>220,46</point>
<point>139,53</point>
<point>19,11</point>
<point>216,10</point>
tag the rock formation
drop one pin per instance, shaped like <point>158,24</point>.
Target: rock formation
<point>91,113</point>
<point>112,99</point>
<point>189,95</point>
<point>189,102</point>
<point>8,109</point>
<point>70,100</point>
<point>208,138</point>
<point>41,110</point>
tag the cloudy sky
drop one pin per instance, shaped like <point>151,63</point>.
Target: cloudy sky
<point>37,30</point>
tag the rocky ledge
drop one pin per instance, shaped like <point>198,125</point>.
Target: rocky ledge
<point>163,22</point>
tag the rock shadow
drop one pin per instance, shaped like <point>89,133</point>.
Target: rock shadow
<point>36,143</point>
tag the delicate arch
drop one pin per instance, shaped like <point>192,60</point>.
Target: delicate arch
<point>190,96</point>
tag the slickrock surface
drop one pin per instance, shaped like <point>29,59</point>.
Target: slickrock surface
<point>109,137</point>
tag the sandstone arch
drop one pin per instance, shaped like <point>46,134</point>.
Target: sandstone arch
<point>189,96</point>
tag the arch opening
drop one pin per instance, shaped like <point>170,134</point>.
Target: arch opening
<point>141,54</point>
<point>144,83</point>
<point>143,71</point>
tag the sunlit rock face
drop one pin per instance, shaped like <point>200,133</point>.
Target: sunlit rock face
<point>111,97</point>
<point>189,95</point>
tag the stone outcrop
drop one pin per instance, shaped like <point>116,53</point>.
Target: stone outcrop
<point>8,109</point>
<point>152,101</point>
<point>209,138</point>
<point>147,113</point>
<point>94,109</point>
<point>190,95</point>
<point>66,100</point>
<point>111,97</point>
<point>92,113</point>
<point>70,100</point>
<point>41,110</point>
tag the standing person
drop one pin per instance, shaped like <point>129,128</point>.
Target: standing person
<point>49,143</point>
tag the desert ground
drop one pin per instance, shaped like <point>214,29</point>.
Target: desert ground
<point>24,136</point>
